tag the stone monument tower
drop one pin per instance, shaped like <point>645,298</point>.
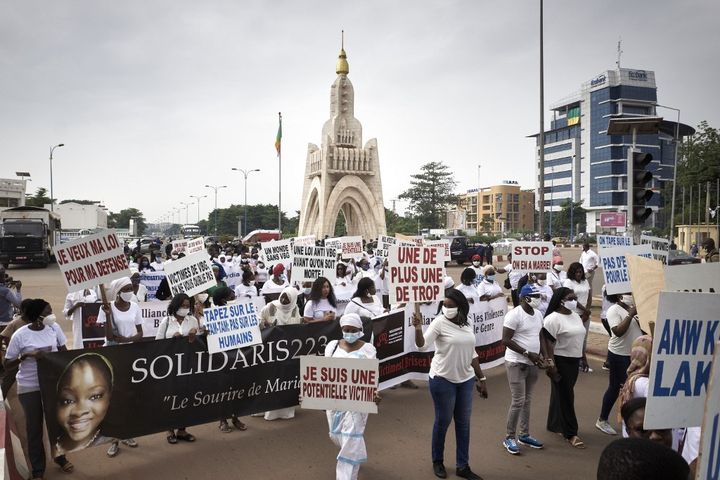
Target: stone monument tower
<point>342,175</point>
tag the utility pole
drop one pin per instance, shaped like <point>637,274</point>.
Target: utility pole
<point>215,189</point>
<point>541,138</point>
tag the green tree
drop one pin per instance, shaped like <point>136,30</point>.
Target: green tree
<point>40,199</point>
<point>258,217</point>
<point>122,219</point>
<point>398,224</point>
<point>431,193</point>
<point>81,202</point>
<point>561,219</point>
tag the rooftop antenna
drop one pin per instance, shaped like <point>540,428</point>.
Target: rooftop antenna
<point>342,39</point>
<point>619,53</point>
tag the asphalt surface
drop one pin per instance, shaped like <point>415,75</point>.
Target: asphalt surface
<point>398,438</point>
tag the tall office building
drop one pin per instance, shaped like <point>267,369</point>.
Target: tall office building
<point>498,209</point>
<point>583,162</point>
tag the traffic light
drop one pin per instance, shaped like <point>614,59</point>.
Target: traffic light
<point>642,182</point>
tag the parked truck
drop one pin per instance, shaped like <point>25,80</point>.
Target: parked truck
<point>27,235</point>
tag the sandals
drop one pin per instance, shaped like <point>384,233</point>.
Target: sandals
<point>172,439</point>
<point>185,436</point>
<point>575,442</point>
<point>64,464</point>
<point>225,428</point>
<point>238,424</point>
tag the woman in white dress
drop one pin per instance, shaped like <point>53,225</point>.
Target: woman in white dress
<point>364,301</point>
<point>347,429</point>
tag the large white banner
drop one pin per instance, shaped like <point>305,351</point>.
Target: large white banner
<point>152,314</point>
<point>416,274</point>
<point>615,268</point>
<point>686,332</point>
<point>531,256</point>
<point>92,260</point>
<point>191,274</point>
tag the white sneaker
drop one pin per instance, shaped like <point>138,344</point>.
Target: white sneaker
<point>113,450</point>
<point>605,427</point>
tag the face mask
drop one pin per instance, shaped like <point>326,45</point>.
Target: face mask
<point>449,313</point>
<point>533,302</point>
<point>174,257</point>
<point>158,260</point>
<point>490,278</point>
<point>570,305</point>
<point>542,282</point>
<point>352,337</point>
<point>261,266</point>
<point>126,296</point>
<point>477,264</point>
<point>49,320</point>
<point>202,297</point>
<point>628,300</point>
<point>558,268</point>
<point>182,312</point>
<point>306,291</point>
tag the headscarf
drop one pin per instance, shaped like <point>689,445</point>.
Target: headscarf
<point>639,366</point>
<point>351,320</point>
<point>278,269</point>
<point>448,282</point>
<point>117,285</point>
<point>283,313</point>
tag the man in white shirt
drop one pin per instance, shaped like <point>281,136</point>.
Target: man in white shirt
<point>589,261</point>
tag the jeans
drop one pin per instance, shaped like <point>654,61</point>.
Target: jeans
<point>33,408</point>
<point>618,374</point>
<point>522,379</point>
<point>452,401</point>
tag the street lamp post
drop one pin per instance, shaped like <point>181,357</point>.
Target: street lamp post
<point>245,175</point>
<point>216,188</point>
<point>186,204</point>
<point>52,198</point>
<point>677,144</point>
<point>198,197</point>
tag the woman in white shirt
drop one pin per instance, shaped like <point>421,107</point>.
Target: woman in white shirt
<point>514,277</point>
<point>322,304</point>
<point>30,342</point>
<point>467,285</point>
<point>72,311</point>
<point>364,301</point>
<point>179,323</point>
<point>247,288</point>
<point>139,289</point>
<point>123,324</point>
<point>489,288</point>
<point>277,283</point>
<point>557,275</point>
<point>563,335</point>
<point>578,283</point>
<point>453,371</point>
<point>261,274</point>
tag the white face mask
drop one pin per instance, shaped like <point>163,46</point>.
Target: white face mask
<point>534,302</point>
<point>570,305</point>
<point>202,297</point>
<point>477,264</point>
<point>306,291</point>
<point>126,296</point>
<point>541,282</point>
<point>49,320</point>
<point>628,300</point>
<point>182,312</point>
<point>449,313</point>
<point>352,337</point>
<point>158,260</point>
<point>174,257</point>
<point>558,268</point>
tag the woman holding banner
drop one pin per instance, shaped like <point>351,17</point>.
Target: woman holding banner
<point>453,371</point>
<point>322,304</point>
<point>563,335</point>
<point>347,429</point>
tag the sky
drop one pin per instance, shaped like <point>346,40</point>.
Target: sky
<point>154,99</point>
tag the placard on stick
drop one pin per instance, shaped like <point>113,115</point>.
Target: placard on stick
<point>614,265</point>
<point>232,326</point>
<point>310,263</point>
<point>647,279</point>
<point>343,384</point>
<point>277,251</point>
<point>91,260</point>
<point>532,256</point>
<point>191,274</point>
<point>611,241</point>
<point>416,274</point>
<point>195,245</point>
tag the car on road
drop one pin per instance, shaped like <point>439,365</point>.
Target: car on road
<point>680,257</point>
<point>502,246</point>
<point>146,245</point>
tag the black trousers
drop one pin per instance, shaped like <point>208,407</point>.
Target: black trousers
<point>33,408</point>
<point>561,414</point>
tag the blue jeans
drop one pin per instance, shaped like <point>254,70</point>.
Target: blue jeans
<point>452,401</point>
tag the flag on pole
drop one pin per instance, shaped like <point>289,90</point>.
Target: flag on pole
<point>278,139</point>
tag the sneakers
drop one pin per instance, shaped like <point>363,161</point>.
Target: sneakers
<point>113,450</point>
<point>606,366</point>
<point>511,446</point>
<point>605,427</point>
<point>130,442</point>
<point>529,441</point>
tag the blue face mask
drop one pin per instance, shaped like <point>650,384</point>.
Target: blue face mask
<point>490,278</point>
<point>352,337</point>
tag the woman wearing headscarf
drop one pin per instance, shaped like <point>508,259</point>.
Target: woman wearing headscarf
<point>73,311</point>
<point>563,334</point>
<point>322,304</point>
<point>277,282</point>
<point>453,371</point>
<point>40,336</point>
<point>123,324</point>
<point>219,282</point>
<point>364,301</point>
<point>489,289</point>
<point>347,429</point>
<point>578,283</point>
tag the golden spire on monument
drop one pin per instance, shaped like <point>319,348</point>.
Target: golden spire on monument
<point>342,66</point>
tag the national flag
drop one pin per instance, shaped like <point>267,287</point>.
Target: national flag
<point>278,139</point>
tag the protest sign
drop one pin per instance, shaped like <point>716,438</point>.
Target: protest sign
<point>233,276</point>
<point>191,274</point>
<point>93,333</point>
<point>659,246</point>
<point>487,321</point>
<point>410,239</point>
<point>311,263</point>
<point>708,466</point>
<point>152,314</point>
<point>384,243</point>
<point>531,256</point>
<point>610,241</point>
<point>277,251</point>
<point>698,277</point>
<point>91,260</point>
<point>416,274</point>
<point>686,332</point>
<point>152,280</point>
<point>342,384</point>
<point>179,246</point>
<point>614,265</point>
<point>647,279</point>
<point>195,245</point>
<point>160,384</point>
<point>443,244</point>
<point>232,326</point>
<point>351,247</point>
<point>335,243</point>
<point>306,241</point>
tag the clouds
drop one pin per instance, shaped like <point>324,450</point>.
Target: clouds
<point>155,99</point>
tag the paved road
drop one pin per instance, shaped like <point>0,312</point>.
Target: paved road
<point>398,438</point>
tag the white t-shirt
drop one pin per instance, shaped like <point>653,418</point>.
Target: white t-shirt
<point>157,266</point>
<point>556,279</point>
<point>366,351</point>
<point>527,333</point>
<point>488,288</point>
<point>622,345</point>
<point>454,350</point>
<point>316,310</point>
<point>589,260</point>
<point>261,274</point>
<point>513,275</point>
<point>141,295</point>
<point>546,293</point>
<point>582,290</point>
<point>469,291</point>
<point>272,287</point>
<point>169,326</point>
<point>356,305</point>
<point>246,291</point>
<point>479,275</point>
<point>569,333</point>
<point>25,340</point>
<point>125,323</point>
<point>606,304</point>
